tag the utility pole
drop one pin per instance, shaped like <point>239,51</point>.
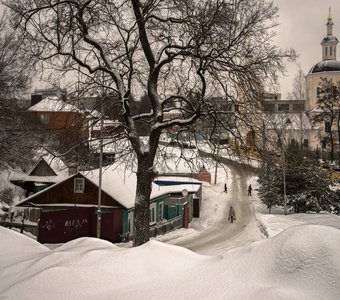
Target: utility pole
<point>99,211</point>
<point>284,181</point>
<point>283,149</point>
<point>216,165</point>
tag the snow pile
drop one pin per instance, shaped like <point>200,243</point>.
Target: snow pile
<point>302,262</point>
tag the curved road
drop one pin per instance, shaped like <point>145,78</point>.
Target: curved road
<point>223,235</point>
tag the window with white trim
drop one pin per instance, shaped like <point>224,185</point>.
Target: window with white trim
<point>79,185</point>
<point>130,222</point>
<point>44,118</point>
<point>160,211</point>
<point>152,217</point>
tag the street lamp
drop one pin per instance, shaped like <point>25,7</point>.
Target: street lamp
<point>284,181</point>
<point>217,155</point>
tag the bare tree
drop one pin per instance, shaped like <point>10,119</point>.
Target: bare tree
<point>299,86</point>
<point>180,52</point>
<point>15,70</point>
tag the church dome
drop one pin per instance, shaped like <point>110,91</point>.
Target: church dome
<point>325,66</point>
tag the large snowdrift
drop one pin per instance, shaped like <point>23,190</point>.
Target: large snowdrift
<point>302,262</point>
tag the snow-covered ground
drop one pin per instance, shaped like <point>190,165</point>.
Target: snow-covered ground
<point>231,261</point>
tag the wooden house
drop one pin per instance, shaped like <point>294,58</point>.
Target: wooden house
<point>69,207</point>
<point>62,119</point>
<point>68,211</point>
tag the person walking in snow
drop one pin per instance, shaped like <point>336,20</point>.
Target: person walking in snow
<point>249,190</point>
<point>232,215</point>
<point>225,188</point>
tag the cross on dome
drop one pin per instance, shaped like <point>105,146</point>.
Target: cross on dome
<point>329,15</point>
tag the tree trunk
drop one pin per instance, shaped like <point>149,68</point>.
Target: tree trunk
<point>145,176</point>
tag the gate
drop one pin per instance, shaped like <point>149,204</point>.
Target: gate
<point>65,225</point>
<point>186,215</point>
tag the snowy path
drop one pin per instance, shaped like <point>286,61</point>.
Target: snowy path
<point>223,235</point>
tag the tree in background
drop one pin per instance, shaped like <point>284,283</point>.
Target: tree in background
<point>307,187</point>
<point>328,111</point>
<point>16,68</point>
<point>299,86</point>
<point>270,182</point>
<point>178,53</point>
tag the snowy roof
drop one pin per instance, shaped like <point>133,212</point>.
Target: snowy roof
<point>48,169</point>
<point>178,180</point>
<point>53,104</point>
<point>38,179</point>
<point>121,185</point>
<point>159,190</point>
<point>118,184</point>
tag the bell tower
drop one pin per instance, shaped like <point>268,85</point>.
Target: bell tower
<point>329,42</point>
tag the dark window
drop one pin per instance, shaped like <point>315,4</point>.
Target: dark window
<point>318,91</point>
<point>305,143</point>
<point>298,107</point>
<point>328,127</point>
<point>278,142</point>
<point>283,107</point>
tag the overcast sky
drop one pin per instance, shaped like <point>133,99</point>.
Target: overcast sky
<point>302,27</point>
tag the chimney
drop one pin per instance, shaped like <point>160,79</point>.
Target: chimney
<point>204,175</point>
<point>72,169</point>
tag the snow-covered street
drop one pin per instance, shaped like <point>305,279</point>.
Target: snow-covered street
<point>222,235</point>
